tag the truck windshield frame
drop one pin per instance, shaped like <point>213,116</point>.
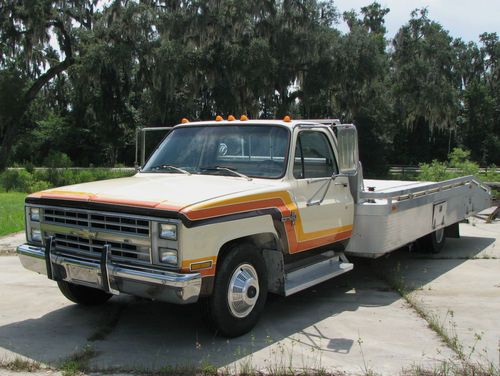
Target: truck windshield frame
<point>258,151</point>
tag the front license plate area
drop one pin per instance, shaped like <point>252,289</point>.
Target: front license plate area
<point>84,276</point>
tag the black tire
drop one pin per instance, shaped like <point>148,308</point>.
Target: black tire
<point>238,259</point>
<point>433,242</point>
<point>83,295</point>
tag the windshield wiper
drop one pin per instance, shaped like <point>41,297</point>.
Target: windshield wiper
<point>171,167</point>
<point>223,168</point>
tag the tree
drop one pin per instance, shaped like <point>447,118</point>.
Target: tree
<point>424,84</point>
<point>28,61</point>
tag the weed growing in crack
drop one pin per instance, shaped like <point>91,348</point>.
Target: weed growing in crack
<point>78,362</point>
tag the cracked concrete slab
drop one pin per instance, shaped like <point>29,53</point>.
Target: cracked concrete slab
<point>351,323</point>
<point>466,298</point>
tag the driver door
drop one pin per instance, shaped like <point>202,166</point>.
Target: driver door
<point>325,204</point>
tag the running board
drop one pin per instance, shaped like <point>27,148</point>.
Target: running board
<point>310,275</point>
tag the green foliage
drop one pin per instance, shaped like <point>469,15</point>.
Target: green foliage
<point>17,180</point>
<point>459,159</point>
<point>21,180</point>
<point>458,164</point>
<point>129,64</point>
<point>11,212</point>
<point>57,159</point>
<point>434,171</point>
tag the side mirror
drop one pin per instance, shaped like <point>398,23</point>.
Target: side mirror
<point>347,144</point>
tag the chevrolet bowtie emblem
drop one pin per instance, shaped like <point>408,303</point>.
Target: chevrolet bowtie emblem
<point>84,233</point>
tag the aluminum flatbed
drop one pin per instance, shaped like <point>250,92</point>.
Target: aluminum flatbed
<point>390,214</point>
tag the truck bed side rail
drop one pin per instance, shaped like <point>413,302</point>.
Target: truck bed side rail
<point>410,193</point>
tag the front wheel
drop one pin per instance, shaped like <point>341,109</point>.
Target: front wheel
<point>82,294</point>
<point>240,291</point>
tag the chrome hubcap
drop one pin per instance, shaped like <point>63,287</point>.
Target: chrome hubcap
<point>243,290</point>
<point>439,235</point>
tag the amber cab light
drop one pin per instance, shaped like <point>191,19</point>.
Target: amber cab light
<point>243,118</point>
<point>184,120</point>
<point>231,118</point>
<point>218,118</point>
<point>287,119</point>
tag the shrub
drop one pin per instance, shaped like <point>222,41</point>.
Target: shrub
<point>435,171</point>
<point>37,186</point>
<point>458,165</point>
<point>17,180</point>
<point>459,159</point>
<point>57,159</point>
<point>23,181</point>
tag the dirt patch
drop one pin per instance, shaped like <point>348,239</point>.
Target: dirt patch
<point>9,243</point>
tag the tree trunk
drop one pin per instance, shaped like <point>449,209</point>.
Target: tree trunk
<point>14,123</point>
<point>9,138</point>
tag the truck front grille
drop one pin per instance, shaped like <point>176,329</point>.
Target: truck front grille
<point>97,221</point>
<point>84,233</point>
<point>92,249</point>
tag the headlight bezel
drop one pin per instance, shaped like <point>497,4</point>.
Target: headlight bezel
<point>165,253</point>
<point>33,225</point>
<point>165,228</point>
<point>34,214</point>
<point>169,241</point>
<point>38,238</point>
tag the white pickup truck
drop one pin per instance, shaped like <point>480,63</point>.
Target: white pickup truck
<point>228,211</point>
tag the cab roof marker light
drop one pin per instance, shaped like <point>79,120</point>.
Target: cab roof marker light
<point>218,118</point>
<point>231,118</point>
<point>287,119</point>
<point>184,120</point>
<point>243,118</point>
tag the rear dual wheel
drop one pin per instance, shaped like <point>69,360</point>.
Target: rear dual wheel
<point>240,291</point>
<point>433,242</point>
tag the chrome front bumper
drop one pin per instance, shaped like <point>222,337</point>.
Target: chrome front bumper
<point>148,283</point>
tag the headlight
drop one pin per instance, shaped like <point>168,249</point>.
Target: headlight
<point>168,231</point>
<point>36,235</point>
<point>168,256</point>
<point>35,214</point>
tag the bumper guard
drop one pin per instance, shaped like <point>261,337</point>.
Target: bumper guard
<point>149,283</point>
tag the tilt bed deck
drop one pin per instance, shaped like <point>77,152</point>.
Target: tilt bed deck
<point>391,214</point>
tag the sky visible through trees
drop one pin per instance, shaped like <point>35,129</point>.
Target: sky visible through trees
<point>79,76</point>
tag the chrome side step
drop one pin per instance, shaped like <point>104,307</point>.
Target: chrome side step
<point>310,275</point>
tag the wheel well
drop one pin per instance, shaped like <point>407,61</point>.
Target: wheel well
<point>260,241</point>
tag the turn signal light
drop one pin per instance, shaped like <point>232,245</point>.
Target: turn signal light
<point>287,119</point>
<point>243,118</point>
<point>218,118</point>
<point>201,265</point>
<point>231,118</point>
<point>184,120</point>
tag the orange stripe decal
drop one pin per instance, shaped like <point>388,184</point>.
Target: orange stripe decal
<point>298,239</point>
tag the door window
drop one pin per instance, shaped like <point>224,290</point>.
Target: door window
<point>314,156</point>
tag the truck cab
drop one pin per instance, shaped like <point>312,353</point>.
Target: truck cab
<point>224,212</point>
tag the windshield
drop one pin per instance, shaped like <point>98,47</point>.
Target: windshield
<point>251,150</point>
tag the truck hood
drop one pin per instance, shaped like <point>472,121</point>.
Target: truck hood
<point>160,191</point>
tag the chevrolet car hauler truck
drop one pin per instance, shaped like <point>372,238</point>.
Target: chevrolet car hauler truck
<point>227,211</point>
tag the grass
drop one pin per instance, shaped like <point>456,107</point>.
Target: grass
<point>11,212</point>
<point>20,365</point>
<point>446,330</point>
<point>396,281</point>
<point>78,362</point>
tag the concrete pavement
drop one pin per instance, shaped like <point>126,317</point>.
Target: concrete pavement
<point>9,243</point>
<point>353,323</point>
